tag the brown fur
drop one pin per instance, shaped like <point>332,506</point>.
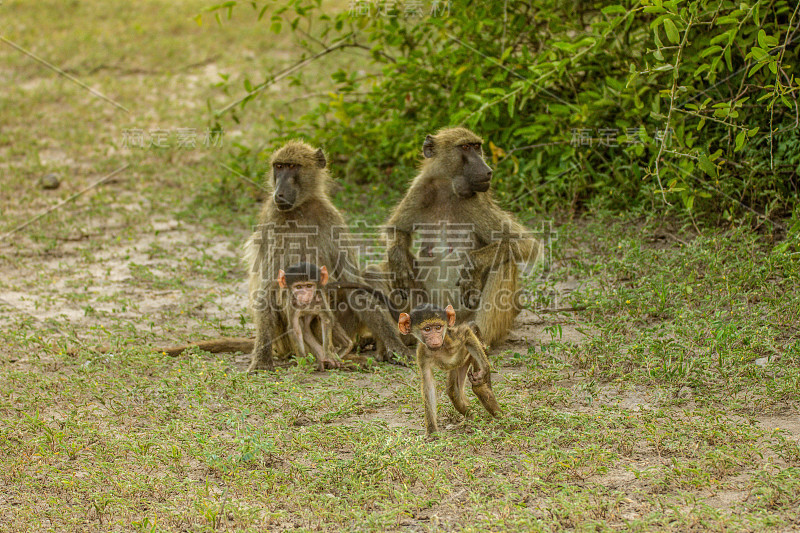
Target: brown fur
<point>313,214</point>
<point>462,355</point>
<point>312,324</point>
<point>432,199</point>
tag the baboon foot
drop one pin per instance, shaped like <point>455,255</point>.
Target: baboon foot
<point>477,378</point>
<point>260,365</point>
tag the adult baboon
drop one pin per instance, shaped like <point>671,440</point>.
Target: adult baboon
<point>299,223</point>
<point>469,247</point>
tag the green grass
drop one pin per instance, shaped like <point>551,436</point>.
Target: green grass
<point>669,403</point>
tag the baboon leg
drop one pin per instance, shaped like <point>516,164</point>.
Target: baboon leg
<point>262,349</point>
<point>383,328</point>
<point>296,331</point>
<point>456,380</point>
<point>341,336</point>
<point>429,399</point>
<point>497,308</point>
<point>316,350</point>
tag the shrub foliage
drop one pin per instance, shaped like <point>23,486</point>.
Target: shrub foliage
<point>674,104</point>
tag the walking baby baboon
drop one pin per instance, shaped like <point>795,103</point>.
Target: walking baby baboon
<point>469,247</point>
<point>299,223</point>
<point>307,310</point>
<point>458,350</point>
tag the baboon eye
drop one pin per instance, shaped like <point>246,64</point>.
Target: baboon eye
<point>438,328</point>
<point>466,147</point>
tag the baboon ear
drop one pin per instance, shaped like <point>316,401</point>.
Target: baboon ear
<point>404,323</point>
<point>427,147</point>
<point>451,315</point>
<point>320,157</point>
<point>282,279</point>
<point>323,275</point>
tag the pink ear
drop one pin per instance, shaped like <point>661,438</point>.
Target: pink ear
<point>404,323</point>
<point>282,279</point>
<point>451,315</point>
<point>323,275</point>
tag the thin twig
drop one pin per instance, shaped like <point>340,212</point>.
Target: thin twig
<point>671,107</point>
<point>61,203</point>
<point>286,72</point>
<point>777,82</point>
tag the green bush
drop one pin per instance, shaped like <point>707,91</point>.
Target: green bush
<point>676,105</point>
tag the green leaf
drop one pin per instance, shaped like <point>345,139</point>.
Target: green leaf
<point>706,165</point>
<point>672,31</point>
<point>710,50</point>
<point>773,66</point>
<point>757,53</point>
<point>755,69</point>
<point>611,10</point>
<point>762,39</point>
<point>739,140</point>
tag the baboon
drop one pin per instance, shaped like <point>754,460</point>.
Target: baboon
<point>305,299</point>
<point>458,350</point>
<point>469,247</point>
<point>306,303</point>
<point>299,223</point>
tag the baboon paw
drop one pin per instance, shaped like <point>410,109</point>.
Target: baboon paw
<point>470,296</point>
<point>476,378</point>
<point>330,364</point>
<point>260,366</point>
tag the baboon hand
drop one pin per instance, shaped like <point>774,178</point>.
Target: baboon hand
<point>477,378</point>
<point>400,265</point>
<point>330,362</point>
<point>404,278</point>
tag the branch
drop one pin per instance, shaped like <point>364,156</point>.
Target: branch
<point>287,71</point>
<point>671,107</point>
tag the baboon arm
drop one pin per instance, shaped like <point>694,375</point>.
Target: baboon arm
<point>478,354</point>
<point>408,210</point>
<point>400,259</point>
<point>482,380</point>
<point>498,228</point>
<point>400,228</point>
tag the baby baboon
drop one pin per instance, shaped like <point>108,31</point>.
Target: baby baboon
<point>469,247</point>
<point>306,300</point>
<point>299,223</point>
<point>458,350</point>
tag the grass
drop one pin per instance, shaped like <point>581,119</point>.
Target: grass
<point>669,403</point>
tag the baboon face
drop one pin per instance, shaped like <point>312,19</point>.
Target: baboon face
<point>296,174</point>
<point>460,152</point>
<point>428,323</point>
<point>286,176</point>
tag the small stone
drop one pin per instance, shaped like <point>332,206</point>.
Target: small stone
<point>762,361</point>
<point>50,181</point>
